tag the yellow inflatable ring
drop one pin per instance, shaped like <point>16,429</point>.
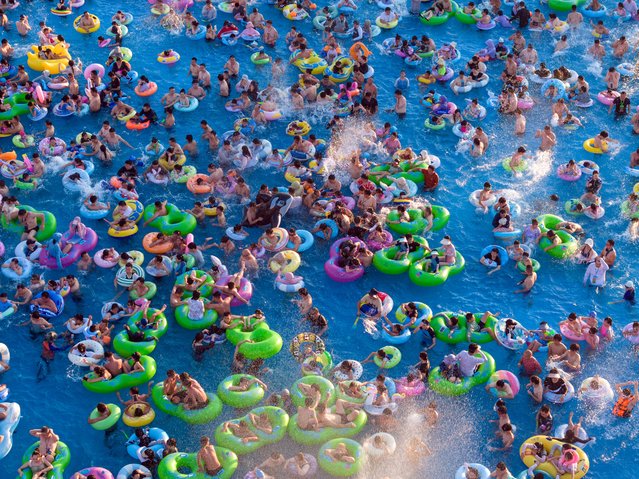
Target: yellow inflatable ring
<point>581,465</point>
<point>589,146</point>
<point>286,261</point>
<point>137,256</point>
<point>144,419</point>
<point>84,31</point>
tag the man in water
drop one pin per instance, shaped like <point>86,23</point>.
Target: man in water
<point>627,399</point>
<point>48,441</point>
<point>469,361</point>
<point>207,460</point>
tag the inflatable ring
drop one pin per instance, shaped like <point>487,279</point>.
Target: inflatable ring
<point>340,468</point>
<point>306,338</point>
<point>240,399</point>
<point>396,357</point>
<point>326,389</point>
<point>580,467</point>
<point>442,386</point>
<point>85,31</point>
<point>277,418</point>
<point>174,465</point>
<point>507,377</point>
<point>61,460</point>
<point>114,416</point>
<point>122,381</point>
<point>310,438</point>
<point>134,415</point>
<point>286,261</point>
<point>191,416</point>
<point>589,146</point>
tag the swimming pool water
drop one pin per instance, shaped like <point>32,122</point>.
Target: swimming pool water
<point>61,402</point>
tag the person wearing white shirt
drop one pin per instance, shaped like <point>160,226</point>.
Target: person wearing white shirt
<point>468,360</point>
<point>596,273</point>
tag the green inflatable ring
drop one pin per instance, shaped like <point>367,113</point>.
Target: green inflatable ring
<point>60,461</point>
<point>505,164</point>
<point>461,333</point>
<point>421,277</point>
<point>266,344</point>
<point>324,358</point>
<point>384,262</point>
<point>50,224</point>
<point>433,21</point>
<point>626,211</point>
<point>124,347</point>
<point>17,141</point>
<point>124,381</point>
<point>416,225</point>
<point>569,207</point>
<point>171,465</point>
<point>311,438</point>
<point>467,18</point>
<point>205,289</point>
<point>109,422</point>
<point>175,220</point>
<point>564,5</point>
<point>240,399</point>
<point>535,264</point>
<point>278,418</point>
<point>345,397</point>
<point>568,245</point>
<point>441,216</point>
<point>237,334</point>
<point>391,363</point>
<point>191,416</point>
<point>433,126</point>
<point>263,61</point>
<point>182,318</point>
<point>440,385</point>
<point>565,249</point>
<point>326,388</point>
<point>187,172</point>
<point>338,468</point>
<point>153,289</point>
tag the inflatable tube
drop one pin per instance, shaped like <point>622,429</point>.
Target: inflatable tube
<point>340,468</point>
<point>191,416</point>
<point>181,465</point>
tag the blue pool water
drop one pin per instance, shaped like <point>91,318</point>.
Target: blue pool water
<point>61,402</point>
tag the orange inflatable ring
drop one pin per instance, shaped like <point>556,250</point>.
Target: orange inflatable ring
<point>359,47</point>
<point>8,155</point>
<point>328,47</point>
<point>115,182</point>
<point>157,249</point>
<point>193,187</point>
<point>153,87</point>
<point>131,125</point>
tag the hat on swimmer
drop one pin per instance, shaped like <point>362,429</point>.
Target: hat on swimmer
<point>629,284</point>
<point>501,40</point>
<point>245,77</point>
<point>554,376</point>
<point>589,242</point>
